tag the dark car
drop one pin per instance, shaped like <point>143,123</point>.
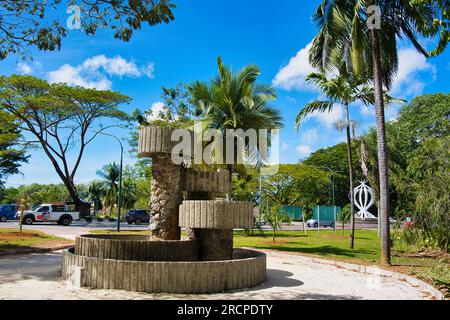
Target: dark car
<point>137,217</point>
<point>7,212</point>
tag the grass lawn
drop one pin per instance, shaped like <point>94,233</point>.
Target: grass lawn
<point>433,267</point>
<point>11,240</point>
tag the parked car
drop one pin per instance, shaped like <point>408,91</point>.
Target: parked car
<point>7,212</point>
<point>323,223</point>
<point>60,213</point>
<point>137,216</point>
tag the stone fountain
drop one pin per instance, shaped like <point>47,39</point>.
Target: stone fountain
<point>161,261</point>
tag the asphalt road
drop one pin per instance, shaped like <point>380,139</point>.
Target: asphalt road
<point>81,227</point>
<point>75,229</point>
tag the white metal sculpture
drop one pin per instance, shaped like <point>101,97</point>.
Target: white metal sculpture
<point>364,199</point>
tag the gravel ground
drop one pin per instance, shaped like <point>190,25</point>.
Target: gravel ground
<point>37,276</point>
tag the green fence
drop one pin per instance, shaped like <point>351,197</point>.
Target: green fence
<point>294,212</point>
<point>326,213</point>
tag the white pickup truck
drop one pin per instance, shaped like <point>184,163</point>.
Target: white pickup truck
<point>62,214</point>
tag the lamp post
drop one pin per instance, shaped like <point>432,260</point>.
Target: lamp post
<point>119,202</point>
<point>333,197</point>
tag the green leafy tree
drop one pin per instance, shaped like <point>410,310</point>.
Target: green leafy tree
<point>417,142</point>
<point>32,23</point>
<point>177,110</point>
<point>236,101</point>
<point>346,29</point>
<point>335,158</point>
<point>110,175</point>
<point>429,165</point>
<point>298,184</point>
<point>130,192</point>
<point>61,119</point>
<point>275,217</point>
<point>96,193</point>
<point>11,157</point>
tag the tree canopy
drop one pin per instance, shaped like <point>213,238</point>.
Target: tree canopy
<point>60,119</point>
<point>36,23</point>
<point>11,155</point>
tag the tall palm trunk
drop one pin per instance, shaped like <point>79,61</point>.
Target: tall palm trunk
<point>382,151</point>
<point>350,169</point>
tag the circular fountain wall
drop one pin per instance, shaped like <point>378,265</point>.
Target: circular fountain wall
<point>93,263</point>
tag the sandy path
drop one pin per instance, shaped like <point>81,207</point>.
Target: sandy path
<point>36,276</point>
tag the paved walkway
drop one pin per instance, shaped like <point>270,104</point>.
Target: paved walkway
<point>37,276</point>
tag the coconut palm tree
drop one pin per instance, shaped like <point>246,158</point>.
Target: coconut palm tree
<point>96,192</point>
<point>340,91</point>
<point>236,101</point>
<point>110,174</point>
<point>349,29</point>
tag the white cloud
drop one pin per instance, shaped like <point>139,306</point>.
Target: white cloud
<point>309,136</point>
<point>411,64</point>
<point>293,75</point>
<point>156,109</point>
<point>303,150</point>
<point>93,72</point>
<point>284,146</point>
<point>367,110</point>
<point>149,70</point>
<point>73,76</point>
<point>327,118</point>
<point>24,68</point>
<point>116,66</point>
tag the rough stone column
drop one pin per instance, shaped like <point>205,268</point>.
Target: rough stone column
<point>213,244</point>
<point>166,197</point>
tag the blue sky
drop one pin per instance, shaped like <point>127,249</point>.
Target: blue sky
<point>272,34</point>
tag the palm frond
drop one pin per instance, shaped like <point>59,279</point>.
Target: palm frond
<point>314,106</point>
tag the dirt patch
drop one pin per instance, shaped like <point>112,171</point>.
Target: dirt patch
<point>277,242</point>
<point>424,254</point>
<point>5,236</point>
<point>53,243</point>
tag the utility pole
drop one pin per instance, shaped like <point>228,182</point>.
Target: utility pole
<point>119,202</point>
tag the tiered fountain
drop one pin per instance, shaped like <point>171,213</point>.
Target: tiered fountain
<point>161,261</point>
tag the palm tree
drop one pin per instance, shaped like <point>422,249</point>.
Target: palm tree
<point>110,174</point>
<point>96,192</point>
<point>236,101</point>
<point>339,91</point>
<point>345,31</point>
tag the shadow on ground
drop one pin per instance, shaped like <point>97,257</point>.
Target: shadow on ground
<point>24,267</point>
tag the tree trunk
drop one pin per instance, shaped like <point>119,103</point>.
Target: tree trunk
<point>382,150</point>
<point>166,197</point>
<point>350,170</point>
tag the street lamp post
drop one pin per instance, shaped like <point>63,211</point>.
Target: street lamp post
<point>332,188</point>
<point>119,202</point>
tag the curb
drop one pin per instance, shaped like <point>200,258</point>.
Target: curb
<point>374,270</point>
<point>37,250</point>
